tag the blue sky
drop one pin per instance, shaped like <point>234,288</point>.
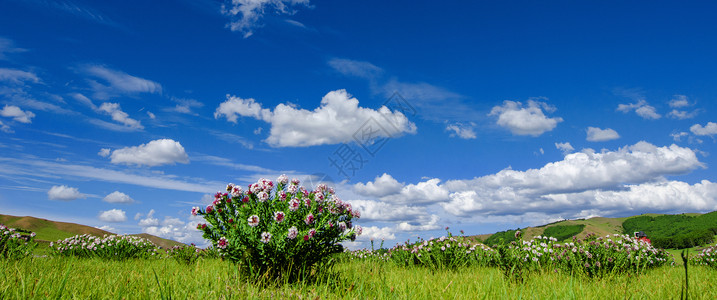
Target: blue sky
<point>481,115</point>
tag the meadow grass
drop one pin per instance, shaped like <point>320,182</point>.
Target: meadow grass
<point>73,278</point>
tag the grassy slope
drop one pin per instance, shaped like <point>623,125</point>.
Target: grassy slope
<point>597,225</point>
<point>48,231</point>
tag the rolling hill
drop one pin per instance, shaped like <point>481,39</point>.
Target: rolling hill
<point>604,226</point>
<point>49,231</point>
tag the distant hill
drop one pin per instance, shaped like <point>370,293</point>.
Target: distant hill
<point>50,231</point>
<point>656,226</point>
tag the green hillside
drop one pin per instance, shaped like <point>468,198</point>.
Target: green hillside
<point>666,231</point>
<point>49,231</point>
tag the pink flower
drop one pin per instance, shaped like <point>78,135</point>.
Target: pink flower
<point>309,219</point>
<point>312,232</point>
<point>294,204</point>
<point>263,196</point>
<point>195,210</point>
<point>237,191</point>
<point>210,209</point>
<point>306,238</point>
<point>222,243</point>
<point>245,199</point>
<point>279,216</point>
<point>201,226</point>
<point>307,202</point>
<point>283,179</point>
<point>295,181</point>
<point>265,237</point>
<point>356,213</point>
<point>253,220</point>
<point>292,188</point>
<point>282,195</point>
<point>342,226</point>
<point>230,187</point>
<point>359,229</point>
<point>293,232</point>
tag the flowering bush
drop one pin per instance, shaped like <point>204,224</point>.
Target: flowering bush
<point>706,257</point>
<point>16,243</point>
<point>276,232</point>
<point>592,256</point>
<point>186,254</point>
<point>442,253</point>
<point>108,247</point>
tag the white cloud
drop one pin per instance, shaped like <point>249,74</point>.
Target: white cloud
<point>114,110</point>
<point>360,69</point>
<point>17,114</point>
<point>151,115</point>
<point>17,76</point>
<point>245,14</point>
<point>564,147</point>
<point>682,115</point>
<point>528,120</point>
<point>118,197</point>
<point>464,131</point>
<point>679,101</point>
<point>678,136</point>
<point>5,128</point>
<point>149,220</point>
<point>389,212</point>
<point>388,189</point>
<point>642,109</point>
<point>432,224</point>
<point>186,106</point>
<point>600,135</point>
<point>381,186</point>
<point>581,173</point>
<point>64,193</point>
<point>104,152</point>
<point>377,233</point>
<point>50,169</point>
<point>113,215</point>
<point>709,129</point>
<point>84,100</point>
<point>107,228</point>
<point>336,121</point>
<point>8,46</point>
<point>154,153</point>
<point>118,82</point>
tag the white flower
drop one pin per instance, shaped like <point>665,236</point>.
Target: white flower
<point>265,237</point>
<point>253,221</point>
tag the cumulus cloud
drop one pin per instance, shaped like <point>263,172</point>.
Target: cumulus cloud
<point>381,186</point>
<point>114,110</point>
<point>564,147</point>
<point>641,108</point>
<point>377,233</point>
<point>174,229</point>
<point>578,174</point>
<point>118,83</point>
<point>337,120</point>
<point>679,101</point>
<point>388,189</point>
<point>150,220</point>
<point>525,120</point>
<point>709,129</point>
<point>17,114</point>
<point>464,131</point>
<point>600,135</point>
<point>678,136</point>
<point>118,197</point>
<point>154,153</point>
<point>104,152</point>
<point>17,76</point>
<point>245,14</point>
<point>113,216</point>
<point>64,193</point>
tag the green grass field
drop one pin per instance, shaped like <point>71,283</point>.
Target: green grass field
<point>71,278</point>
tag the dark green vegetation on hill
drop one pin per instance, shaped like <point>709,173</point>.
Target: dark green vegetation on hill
<point>675,231</point>
<point>665,231</point>
<point>49,231</point>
